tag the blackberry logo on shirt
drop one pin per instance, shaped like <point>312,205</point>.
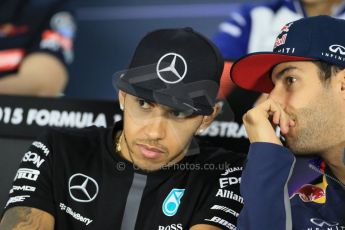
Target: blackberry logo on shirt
<point>172,202</point>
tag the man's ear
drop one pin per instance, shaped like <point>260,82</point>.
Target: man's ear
<point>338,82</point>
<point>207,120</point>
<point>122,96</point>
<point>342,82</point>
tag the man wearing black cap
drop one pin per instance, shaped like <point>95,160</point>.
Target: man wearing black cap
<point>305,79</point>
<point>147,172</point>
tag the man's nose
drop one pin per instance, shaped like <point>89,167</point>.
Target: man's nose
<point>156,128</point>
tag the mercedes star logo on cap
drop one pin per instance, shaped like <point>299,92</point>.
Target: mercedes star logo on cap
<point>82,188</point>
<point>177,74</point>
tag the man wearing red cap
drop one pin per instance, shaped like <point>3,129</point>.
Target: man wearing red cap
<point>252,27</point>
<point>305,79</point>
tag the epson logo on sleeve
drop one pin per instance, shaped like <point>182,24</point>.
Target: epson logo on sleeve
<point>24,188</point>
<point>28,174</point>
<point>42,147</point>
<point>227,181</point>
<point>16,199</point>
<point>34,158</point>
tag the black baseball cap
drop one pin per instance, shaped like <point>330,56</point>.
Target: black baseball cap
<point>314,38</point>
<point>178,68</point>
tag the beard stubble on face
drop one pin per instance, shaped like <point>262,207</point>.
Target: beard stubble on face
<point>317,127</point>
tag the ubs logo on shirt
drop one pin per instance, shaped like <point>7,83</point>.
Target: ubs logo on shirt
<point>172,202</point>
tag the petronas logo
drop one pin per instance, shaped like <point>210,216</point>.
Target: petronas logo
<point>172,202</point>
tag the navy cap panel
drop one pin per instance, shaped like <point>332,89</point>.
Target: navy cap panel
<point>314,38</point>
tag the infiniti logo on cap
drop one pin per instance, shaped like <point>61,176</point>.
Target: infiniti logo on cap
<point>337,49</point>
<point>322,223</point>
<point>171,74</point>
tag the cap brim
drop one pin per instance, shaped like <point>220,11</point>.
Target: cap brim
<point>252,72</point>
<point>153,91</point>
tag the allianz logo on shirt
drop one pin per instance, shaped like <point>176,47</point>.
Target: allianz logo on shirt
<point>172,202</point>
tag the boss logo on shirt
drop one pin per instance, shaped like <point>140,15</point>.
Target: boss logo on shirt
<point>82,188</point>
<point>172,202</point>
<point>171,227</point>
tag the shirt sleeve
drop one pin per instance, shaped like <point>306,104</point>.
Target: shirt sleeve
<point>57,33</point>
<point>32,184</point>
<point>264,188</point>
<point>223,202</point>
<point>233,34</point>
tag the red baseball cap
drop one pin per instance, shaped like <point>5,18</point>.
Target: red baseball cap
<point>314,38</point>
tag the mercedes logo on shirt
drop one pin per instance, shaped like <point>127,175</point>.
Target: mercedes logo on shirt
<point>171,68</point>
<point>82,188</point>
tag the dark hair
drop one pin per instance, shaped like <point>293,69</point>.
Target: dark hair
<point>327,70</point>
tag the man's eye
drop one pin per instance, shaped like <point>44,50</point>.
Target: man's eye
<point>290,80</point>
<point>144,104</point>
<point>179,115</point>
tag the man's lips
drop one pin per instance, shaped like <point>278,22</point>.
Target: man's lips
<point>149,151</point>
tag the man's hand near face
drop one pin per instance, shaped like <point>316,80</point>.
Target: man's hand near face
<point>260,121</point>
